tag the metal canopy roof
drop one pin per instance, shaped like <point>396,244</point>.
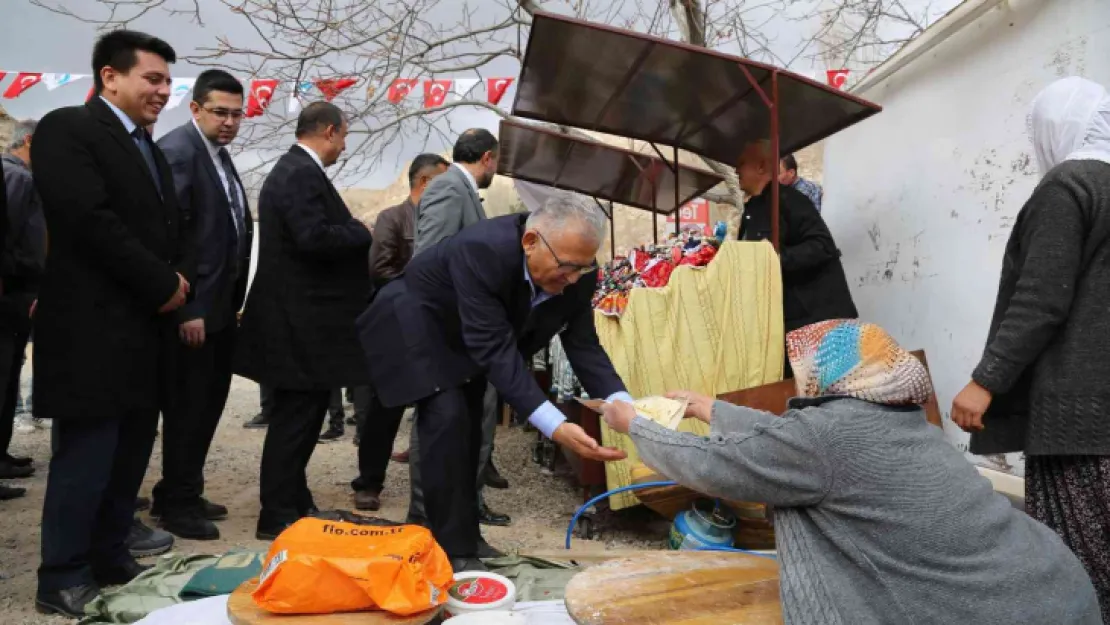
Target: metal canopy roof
<point>625,83</point>
<point>558,160</point>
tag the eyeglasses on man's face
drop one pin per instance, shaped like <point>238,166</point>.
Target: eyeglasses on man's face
<point>564,267</point>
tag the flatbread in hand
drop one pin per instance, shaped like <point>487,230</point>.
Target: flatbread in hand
<point>662,410</point>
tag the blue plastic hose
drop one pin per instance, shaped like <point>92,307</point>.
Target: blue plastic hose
<point>624,489</point>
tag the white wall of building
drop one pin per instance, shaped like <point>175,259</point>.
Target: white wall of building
<point>921,198</point>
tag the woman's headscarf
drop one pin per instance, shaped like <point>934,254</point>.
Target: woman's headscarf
<point>854,359</point>
<point>1070,122</point>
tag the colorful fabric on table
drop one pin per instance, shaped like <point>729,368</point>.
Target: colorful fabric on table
<point>851,358</point>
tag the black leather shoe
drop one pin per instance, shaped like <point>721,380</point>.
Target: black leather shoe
<point>70,602</point>
<point>467,564</point>
<point>486,550</point>
<point>332,433</point>
<point>7,492</point>
<point>211,511</point>
<point>9,471</point>
<point>18,461</point>
<point>143,541</point>
<point>489,517</point>
<point>270,531</point>
<point>258,422</point>
<point>191,525</point>
<point>118,575</point>
<point>494,478</point>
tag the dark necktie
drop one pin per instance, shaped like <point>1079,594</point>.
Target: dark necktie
<point>142,140</point>
<point>232,190</point>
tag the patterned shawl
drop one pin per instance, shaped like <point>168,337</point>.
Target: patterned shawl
<point>854,359</point>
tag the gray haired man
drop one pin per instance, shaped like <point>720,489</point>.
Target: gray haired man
<point>21,266</point>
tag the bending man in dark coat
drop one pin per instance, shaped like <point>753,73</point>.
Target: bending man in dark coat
<point>298,328</point>
<point>473,307</point>
<point>104,341</point>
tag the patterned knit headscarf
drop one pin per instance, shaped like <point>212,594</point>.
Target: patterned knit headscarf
<point>854,359</point>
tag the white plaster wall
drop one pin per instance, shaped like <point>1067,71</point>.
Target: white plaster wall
<point>921,197</point>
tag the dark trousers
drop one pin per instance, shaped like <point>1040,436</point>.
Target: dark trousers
<point>379,429</point>
<point>450,424</point>
<point>290,440</point>
<point>12,348</point>
<point>189,422</point>
<point>266,400</point>
<point>361,397</point>
<point>95,474</point>
<point>336,414</point>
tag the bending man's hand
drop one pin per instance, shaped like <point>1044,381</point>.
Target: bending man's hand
<point>192,332</point>
<point>575,439</point>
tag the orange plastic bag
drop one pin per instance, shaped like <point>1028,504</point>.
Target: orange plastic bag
<point>319,567</point>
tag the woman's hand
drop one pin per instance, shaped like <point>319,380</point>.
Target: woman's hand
<point>698,407</point>
<point>618,415</point>
<point>969,406</point>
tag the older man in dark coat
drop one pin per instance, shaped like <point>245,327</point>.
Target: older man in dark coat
<point>472,307</point>
<point>298,334</point>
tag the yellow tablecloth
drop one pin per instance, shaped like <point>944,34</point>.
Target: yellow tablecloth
<point>711,330</point>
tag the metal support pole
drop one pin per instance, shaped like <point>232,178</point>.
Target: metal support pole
<point>612,232</point>
<point>677,196</point>
<point>776,156</point>
<point>654,213</point>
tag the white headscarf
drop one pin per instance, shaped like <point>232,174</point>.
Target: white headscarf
<point>1070,122</point>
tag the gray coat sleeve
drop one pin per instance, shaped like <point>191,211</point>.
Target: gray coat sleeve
<point>438,216</point>
<point>749,455</point>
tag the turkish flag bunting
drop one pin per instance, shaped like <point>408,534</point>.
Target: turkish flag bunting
<point>262,91</point>
<point>399,89</point>
<point>435,92</point>
<point>495,89</point>
<point>23,81</point>
<point>92,92</point>
<point>837,77</point>
<point>332,87</point>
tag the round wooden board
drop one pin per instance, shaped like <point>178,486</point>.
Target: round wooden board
<point>678,588</point>
<point>241,610</point>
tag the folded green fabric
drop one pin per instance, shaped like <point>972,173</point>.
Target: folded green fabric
<point>224,575</point>
<point>155,588</point>
<point>536,579</point>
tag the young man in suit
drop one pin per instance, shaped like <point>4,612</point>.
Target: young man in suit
<point>298,329</point>
<point>389,254</point>
<point>105,331</point>
<point>473,308</point>
<point>207,182</point>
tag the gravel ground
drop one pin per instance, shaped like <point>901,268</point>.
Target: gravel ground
<point>541,504</point>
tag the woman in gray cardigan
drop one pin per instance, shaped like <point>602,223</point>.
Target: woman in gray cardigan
<point>1043,383</point>
<point>877,518</point>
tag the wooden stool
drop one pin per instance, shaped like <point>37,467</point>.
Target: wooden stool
<point>241,610</point>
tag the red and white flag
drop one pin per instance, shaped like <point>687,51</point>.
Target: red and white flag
<point>331,87</point>
<point>435,92</point>
<point>463,86</point>
<point>262,91</point>
<point>837,77</point>
<point>23,81</point>
<point>400,89</point>
<point>496,88</point>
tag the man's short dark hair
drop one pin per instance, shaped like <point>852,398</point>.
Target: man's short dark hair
<point>215,80</point>
<point>118,50</point>
<point>316,117</point>
<point>422,162</point>
<point>789,163</point>
<point>472,144</point>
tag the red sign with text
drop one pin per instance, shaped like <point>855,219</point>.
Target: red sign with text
<point>693,215</point>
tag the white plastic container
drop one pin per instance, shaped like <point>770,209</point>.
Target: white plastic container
<point>496,617</point>
<point>474,592</point>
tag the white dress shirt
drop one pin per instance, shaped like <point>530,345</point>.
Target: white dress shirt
<point>214,154</point>
<point>469,176</point>
<point>314,155</point>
